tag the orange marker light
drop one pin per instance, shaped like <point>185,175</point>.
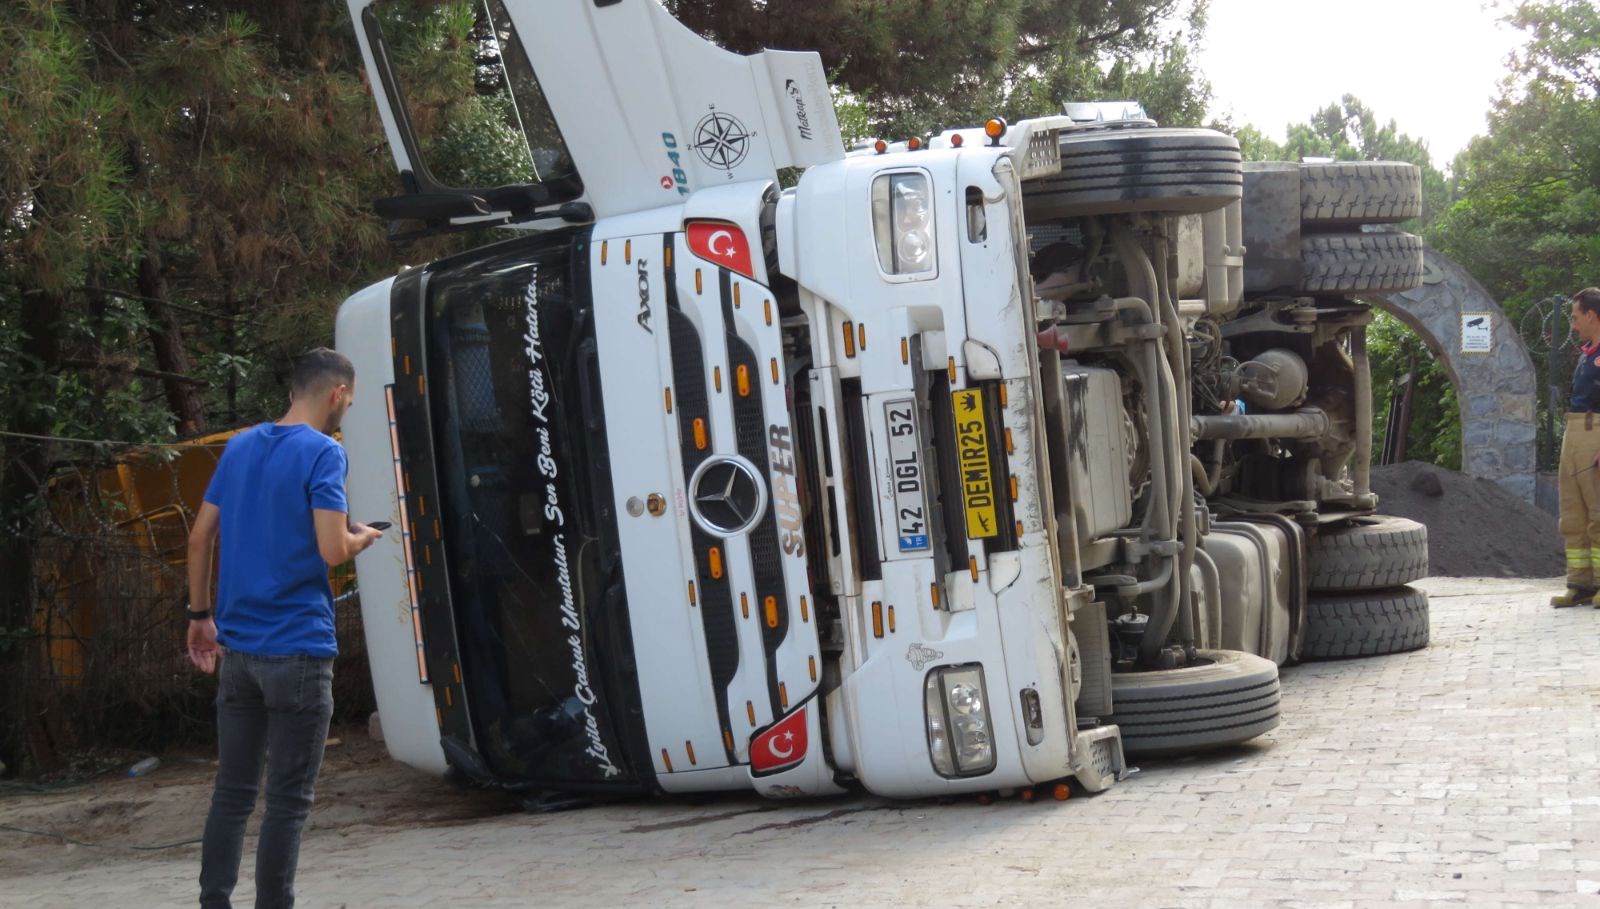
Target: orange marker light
<point>811,661</point>
<point>770,607</point>
<point>914,143</point>
<point>736,296</point>
<point>744,604</point>
<point>783,695</point>
<point>905,351</point>
<point>952,370</point>
<point>715,558</point>
<point>994,128</point>
<point>880,146</point>
<point>849,338</point>
<point>727,739</point>
<point>891,620</point>
<point>877,619</point>
<point>699,282</point>
<point>750,712</point>
<point>933,594</point>
<point>627,251</point>
<point>805,614</point>
<point>700,433</point>
<point>666,759</point>
<point>688,746</point>
<point>861,335</point>
<point>972,565</point>
<point>774,370</point>
<point>669,400</point>
<point>767,304</point>
<point>603,250</point>
<point>716,377</point>
<point>741,377</point>
<point>691,593</point>
<point>1013,489</point>
<point>955,140</point>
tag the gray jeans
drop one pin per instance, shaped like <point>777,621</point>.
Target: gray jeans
<point>273,711</point>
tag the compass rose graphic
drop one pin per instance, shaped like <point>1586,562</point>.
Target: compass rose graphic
<point>721,140</point>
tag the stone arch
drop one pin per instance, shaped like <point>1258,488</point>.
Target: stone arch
<point>1495,389</point>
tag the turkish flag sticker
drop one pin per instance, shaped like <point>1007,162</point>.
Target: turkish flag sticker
<point>780,746</point>
<point>722,243</point>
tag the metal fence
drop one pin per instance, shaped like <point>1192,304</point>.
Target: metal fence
<point>105,663</point>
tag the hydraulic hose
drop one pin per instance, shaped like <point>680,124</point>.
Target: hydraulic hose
<point>1211,582</point>
<point>1361,471</point>
<point>1172,468</point>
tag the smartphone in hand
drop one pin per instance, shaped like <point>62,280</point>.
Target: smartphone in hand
<point>379,525</point>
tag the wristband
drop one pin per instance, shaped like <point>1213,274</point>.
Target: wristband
<point>196,616</point>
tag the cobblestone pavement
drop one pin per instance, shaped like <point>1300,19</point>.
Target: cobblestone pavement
<point>1465,773</point>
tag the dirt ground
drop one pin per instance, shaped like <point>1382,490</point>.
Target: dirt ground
<point>1476,528</point>
<point>79,823</point>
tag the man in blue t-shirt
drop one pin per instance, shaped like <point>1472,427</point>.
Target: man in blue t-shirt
<point>276,504</point>
<point>1578,478</point>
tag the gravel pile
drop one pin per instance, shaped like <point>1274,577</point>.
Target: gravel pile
<point>1476,529</point>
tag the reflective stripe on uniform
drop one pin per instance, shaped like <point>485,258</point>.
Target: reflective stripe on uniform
<point>1583,558</point>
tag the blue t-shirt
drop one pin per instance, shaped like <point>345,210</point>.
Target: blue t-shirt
<point>273,596</point>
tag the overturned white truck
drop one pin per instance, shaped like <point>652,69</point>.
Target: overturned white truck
<point>962,464</point>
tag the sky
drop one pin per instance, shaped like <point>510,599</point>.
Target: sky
<point>1432,66</point>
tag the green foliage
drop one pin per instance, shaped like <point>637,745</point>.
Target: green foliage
<point>1525,215</point>
<point>918,66</point>
<point>1435,431</point>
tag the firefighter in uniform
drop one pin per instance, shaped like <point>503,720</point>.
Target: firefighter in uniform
<point>1579,472</point>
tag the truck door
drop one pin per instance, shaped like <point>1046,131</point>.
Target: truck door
<point>503,110</point>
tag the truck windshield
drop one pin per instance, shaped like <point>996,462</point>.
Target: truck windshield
<point>518,441</point>
<point>469,107</point>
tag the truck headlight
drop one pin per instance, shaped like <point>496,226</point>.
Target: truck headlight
<point>902,223</point>
<point>960,740</point>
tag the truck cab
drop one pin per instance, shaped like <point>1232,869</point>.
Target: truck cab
<point>883,479</point>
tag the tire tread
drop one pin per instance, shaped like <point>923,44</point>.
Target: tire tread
<point>1359,192</point>
<point>1371,624</point>
<point>1388,553</point>
<point>1358,263</point>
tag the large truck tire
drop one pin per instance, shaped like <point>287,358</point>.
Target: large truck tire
<point>1351,264</point>
<point>1359,192</point>
<point>1225,698</point>
<point>1365,624</point>
<point>1369,553</point>
<point>1139,170</point>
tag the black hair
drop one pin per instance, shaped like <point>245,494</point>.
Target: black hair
<point>320,369</point>
<point>1587,300</point>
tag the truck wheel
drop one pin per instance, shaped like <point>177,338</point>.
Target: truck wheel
<point>1365,624</point>
<point>1225,698</point>
<point>1369,553</point>
<point>1351,264</point>
<point>1139,170</point>
<point>1359,192</point>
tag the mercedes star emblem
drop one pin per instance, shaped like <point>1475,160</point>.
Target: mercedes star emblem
<point>728,496</point>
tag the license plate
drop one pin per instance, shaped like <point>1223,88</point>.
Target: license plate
<point>977,474</point>
<point>905,471</point>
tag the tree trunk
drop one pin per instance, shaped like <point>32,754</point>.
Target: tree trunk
<point>27,464</point>
<point>166,340</point>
